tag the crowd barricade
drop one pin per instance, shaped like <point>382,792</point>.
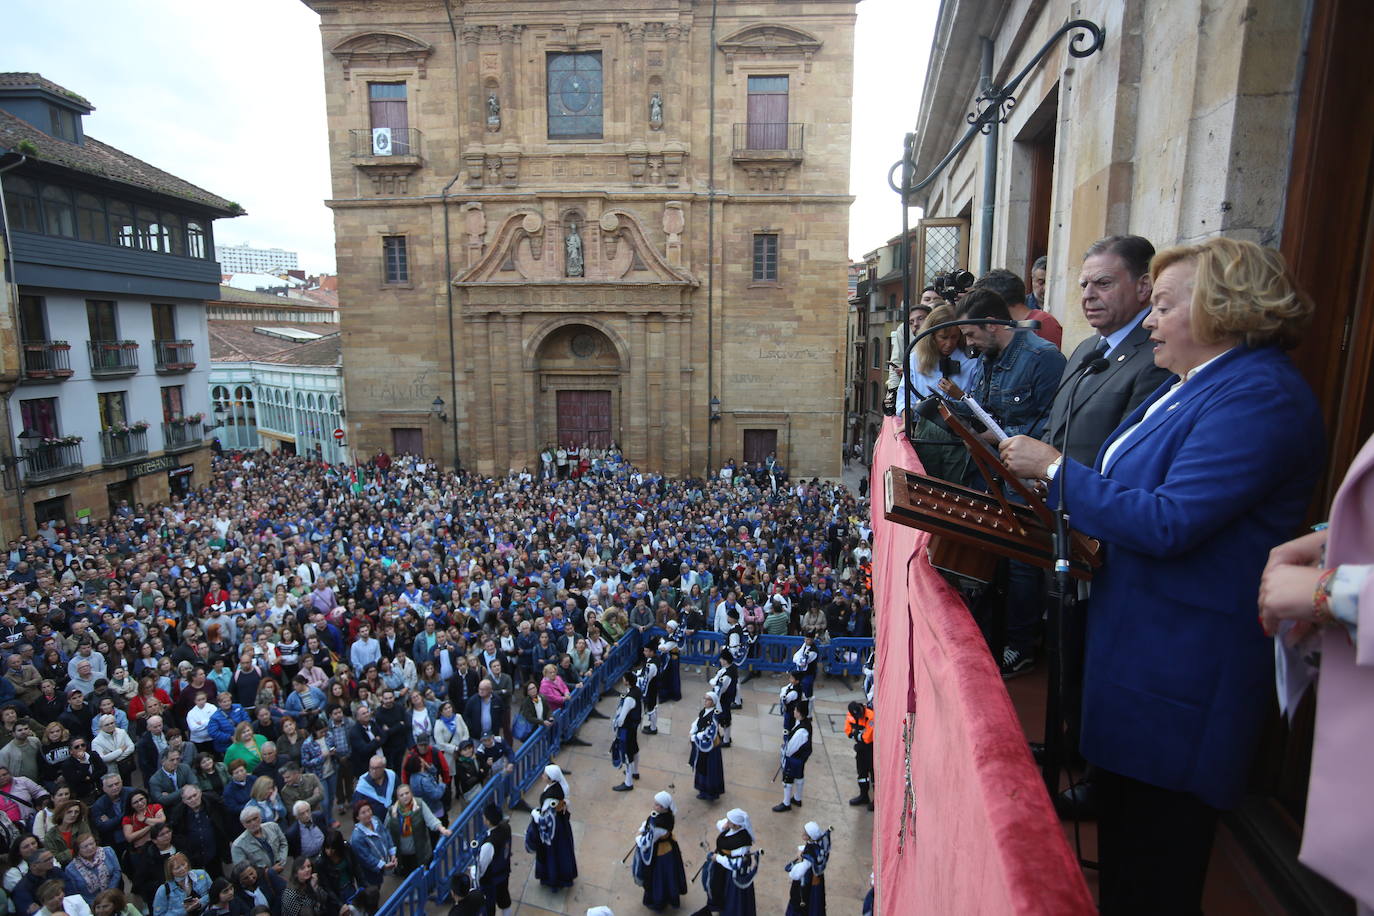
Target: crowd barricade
<point>409,898</point>
<point>844,656</point>
<point>700,648</point>
<point>458,851</point>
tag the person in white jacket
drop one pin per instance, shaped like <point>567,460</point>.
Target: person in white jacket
<point>115,747</point>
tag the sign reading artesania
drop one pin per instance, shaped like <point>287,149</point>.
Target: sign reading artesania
<point>152,466</point>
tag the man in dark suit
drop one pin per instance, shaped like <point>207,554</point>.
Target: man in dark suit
<point>1116,288</point>
<point>171,775</point>
<point>365,738</point>
<point>148,750</point>
<point>485,712</point>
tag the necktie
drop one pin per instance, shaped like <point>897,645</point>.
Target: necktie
<point>1101,349</point>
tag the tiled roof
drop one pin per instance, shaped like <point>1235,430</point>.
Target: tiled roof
<point>237,342</point>
<point>329,297</point>
<point>327,351</point>
<point>231,294</point>
<point>38,81</point>
<point>96,158</point>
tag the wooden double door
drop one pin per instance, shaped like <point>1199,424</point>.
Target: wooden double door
<point>584,418</point>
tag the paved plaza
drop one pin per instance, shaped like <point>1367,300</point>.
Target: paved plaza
<point>605,822</point>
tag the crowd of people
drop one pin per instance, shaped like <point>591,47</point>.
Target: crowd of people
<point>275,693</point>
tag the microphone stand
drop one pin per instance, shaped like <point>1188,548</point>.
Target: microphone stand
<point>1029,324</point>
<point>1056,755</point>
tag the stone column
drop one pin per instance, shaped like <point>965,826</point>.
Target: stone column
<point>519,393</point>
<point>634,396</point>
<point>478,447</point>
<point>673,381</point>
<point>654,353</point>
<point>510,97</point>
<point>500,394</point>
<point>633,98</point>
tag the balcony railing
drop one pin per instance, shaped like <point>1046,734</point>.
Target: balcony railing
<point>113,358</point>
<point>51,462</point>
<point>396,146</point>
<point>769,141</point>
<point>174,355</point>
<point>47,360</point>
<point>121,448</point>
<point>180,437</point>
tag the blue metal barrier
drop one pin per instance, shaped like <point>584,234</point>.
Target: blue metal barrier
<point>845,655</point>
<point>409,899</point>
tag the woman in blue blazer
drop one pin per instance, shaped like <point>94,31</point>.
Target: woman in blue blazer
<point>1188,496</point>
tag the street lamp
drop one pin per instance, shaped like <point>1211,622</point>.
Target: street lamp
<point>715,408</point>
<point>26,439</point>
<point>436,407</point>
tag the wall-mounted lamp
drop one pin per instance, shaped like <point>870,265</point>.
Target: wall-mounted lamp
<point>436,407</point>
<point>715,408</point>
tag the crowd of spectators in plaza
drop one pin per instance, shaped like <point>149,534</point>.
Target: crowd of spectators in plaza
<point>275,693</point>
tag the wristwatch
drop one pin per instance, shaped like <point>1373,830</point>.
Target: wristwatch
<point>1053,468</point>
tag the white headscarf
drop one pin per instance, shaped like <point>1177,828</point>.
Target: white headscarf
<point>672,625</point>
<point>556,775</point>
<point>740,818</point>
<point>814,830</point>
<point>666,800</point>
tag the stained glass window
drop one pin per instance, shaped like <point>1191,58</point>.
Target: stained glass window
<point>575,96</point>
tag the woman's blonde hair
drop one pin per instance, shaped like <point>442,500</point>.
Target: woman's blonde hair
<point>927,350</point>
<point>262,788</point>
<point>1241,291</point>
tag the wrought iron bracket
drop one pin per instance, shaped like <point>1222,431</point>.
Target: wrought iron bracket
<point>995,103</point>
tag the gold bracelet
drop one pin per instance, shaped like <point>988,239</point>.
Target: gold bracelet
<point>1321,598</point>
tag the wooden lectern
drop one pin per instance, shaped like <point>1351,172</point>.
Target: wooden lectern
<point>971,529</point>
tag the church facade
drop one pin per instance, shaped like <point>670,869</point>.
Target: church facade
<point>578,222</point>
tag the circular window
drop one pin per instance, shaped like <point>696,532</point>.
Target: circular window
<point>585,346</point>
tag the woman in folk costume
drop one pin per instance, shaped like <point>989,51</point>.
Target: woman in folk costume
<point>807,872</point>
<point>669,652</point>
<point>724,684</point>
<point>705,758</point>
<point>730,870</point>
<point>657,860</point>
<point>624,727</point>
<point>549,835</point>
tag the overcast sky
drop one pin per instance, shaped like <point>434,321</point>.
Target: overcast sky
<point>230,96</point>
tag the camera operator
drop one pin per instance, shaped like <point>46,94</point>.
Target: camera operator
<point>1012,289</point>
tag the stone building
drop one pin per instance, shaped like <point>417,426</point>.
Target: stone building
<point>1245,118</point>
<point>592,222</point>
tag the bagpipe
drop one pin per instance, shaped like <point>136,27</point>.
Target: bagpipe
<point>743,869</point>
<point>703,741</point>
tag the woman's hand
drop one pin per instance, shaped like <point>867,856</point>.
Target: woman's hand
<point>1026,457</point>
<point>1286,593</point>
<point>1303,551</point>
<point>445,831</point>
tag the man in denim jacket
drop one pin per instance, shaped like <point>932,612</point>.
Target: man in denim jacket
<point>1017,371</point>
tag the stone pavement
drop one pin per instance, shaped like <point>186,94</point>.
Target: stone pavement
<point>605,822</point>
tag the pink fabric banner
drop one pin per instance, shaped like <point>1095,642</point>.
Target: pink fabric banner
<point>963,823</point>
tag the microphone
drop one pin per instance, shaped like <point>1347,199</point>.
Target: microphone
<point>1090,364</point>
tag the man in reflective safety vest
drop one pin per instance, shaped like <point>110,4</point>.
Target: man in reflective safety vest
<point>858,725</point>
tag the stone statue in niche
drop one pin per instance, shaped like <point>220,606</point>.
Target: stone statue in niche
<point>656,111</point>
<point>572,251</point>
<point>493,112</point>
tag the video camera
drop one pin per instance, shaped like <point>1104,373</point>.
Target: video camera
<point>950,285</point>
